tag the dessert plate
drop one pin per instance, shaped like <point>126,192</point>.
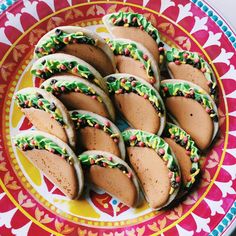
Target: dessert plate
<point>31,204</point>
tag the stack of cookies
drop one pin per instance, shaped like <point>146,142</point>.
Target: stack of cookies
<point>87,82</point>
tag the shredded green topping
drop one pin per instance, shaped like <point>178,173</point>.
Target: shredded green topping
<point>88,160</point>
<point>144,139</point>
<point>64,86</point>
<point>169,89</point>
<point>191,58</point>
<point>131,50</point>
<point>37,101</point>
<point>183,139</point>
<point>129,19</point>
<point>84,120</point>
<point>132,85</point>
<point>47,68</point>
<point>38,141</point>
<point>59,40</point>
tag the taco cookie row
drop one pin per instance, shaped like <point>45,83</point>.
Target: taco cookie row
<point>145,152</point>
<point>81,93</point>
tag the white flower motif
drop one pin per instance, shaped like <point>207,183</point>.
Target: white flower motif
<point>202,223</point>
<point>30,8</point>
<point>145,2</point>
<point>6,217</point>
<point>215,206</point>
<point>231,95</point>
<point>232,133</point>
<point>2,195</point>
<point>231,169</point>
<point>234,112</point>
<point>213,39</point>
<point>22,230</point>
<point>14,21</point>
<point>166,4</point>
<point>223,57</point>
<point>232,151</point>
<point>50,3</point>
<point>69,2</point>
<point>184,11</point>
<point>183,231</point>
<point>3,37</point>
<point>199,24</point>
<point>225,187</point>
<point>230,74</point>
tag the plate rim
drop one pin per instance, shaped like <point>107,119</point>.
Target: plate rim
<point>201,7</point>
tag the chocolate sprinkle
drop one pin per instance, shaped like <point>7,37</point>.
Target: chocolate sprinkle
<point>53,81</point>
<point>52,106</point>
<point>111,79</point>
<point>58,32</point>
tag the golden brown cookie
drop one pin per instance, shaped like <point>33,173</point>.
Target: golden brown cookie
<point>187,154</point>
<point>133,58</point>
<point>155,165</point>
<point>135,27</point>
<point>192,109</point>
<point>54,158</point>
<point>46,113</point>
<point>97,133</point>
<point>138,102</point>
<point>189,66</point>
<point>78,93</point>
<point>64,64</point>
<point>79,42</point>
<point>111,174</point>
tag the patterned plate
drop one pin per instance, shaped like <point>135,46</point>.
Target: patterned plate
<point>30,203</point>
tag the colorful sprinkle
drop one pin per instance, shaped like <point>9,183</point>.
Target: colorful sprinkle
<point>161,151</point>
<point>97,126</point>
<point>133,138</point>
<point>141,144</point>
<point>177,62</point>
<point>145,57</point>
<point>177,179</point>
<point>170,174</point>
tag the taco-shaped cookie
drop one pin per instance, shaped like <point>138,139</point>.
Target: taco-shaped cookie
<point>135,27</point>
<point>46,113</point>
<point>98,133</point>
<point>80,42</point>
<point>187,154</point>
<point>54,158</point>
<point>132,58</point>
<point>60,63</point>
<point>78,93</point>
<point>139,102</point>
<point>155,165</point>
<point>192,109</point>
<point>185,65</point>
<point>111,174</point>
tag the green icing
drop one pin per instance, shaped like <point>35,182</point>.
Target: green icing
<point>93,159</point>
<point>48,68</point>
<point>192,58</point>
<point>186,90</point>
<point>38,141</point>
<point>144,139</point>
<point>183,139</point>
<point>131,50</point>
<point>65,86</point>
<point>59,40</point>
<point>84,120</point>
<point>129,19</point>
<point>37,101</point>
<point>118,85</point>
